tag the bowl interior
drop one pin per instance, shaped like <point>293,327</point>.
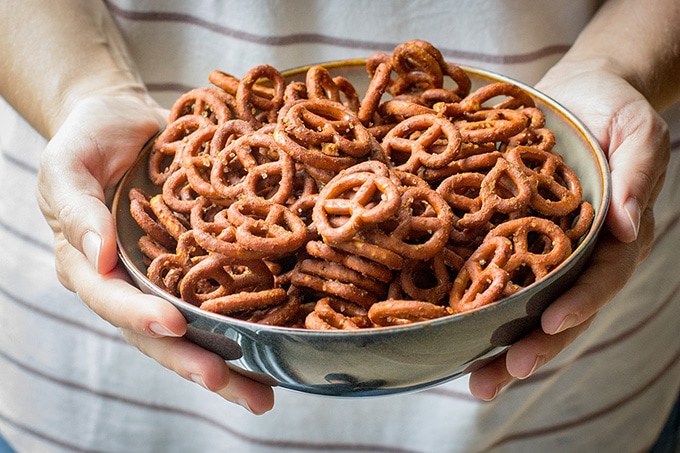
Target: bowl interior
<point>390,359</point>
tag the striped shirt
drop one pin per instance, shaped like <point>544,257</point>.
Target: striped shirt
<point>69,382</point>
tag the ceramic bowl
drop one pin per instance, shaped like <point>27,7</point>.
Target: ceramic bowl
<point>385,360</point>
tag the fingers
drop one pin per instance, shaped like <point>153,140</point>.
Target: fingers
<point>639,150</point>
<point>521,360</point>
<point>206,369</point>
<point>113,298</point>
<point>81,165</point>
<point>610,267</point>
<point>155,327</point>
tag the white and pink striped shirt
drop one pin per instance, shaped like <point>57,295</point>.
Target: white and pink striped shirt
<point>69,382</point>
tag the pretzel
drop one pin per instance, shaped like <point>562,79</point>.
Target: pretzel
<point>380,80</point>
<point>248,100</point>
<point>208,102</point>
<point>492,125</point>
<point>420,66</point>
<point>559,190</point>
<point>401,312</point>
<point>266,227</point>
<point>272,176</point>
<point>482,279</point>
<point>505,189</point>
<point>323,134</point>
<point>323,286</point>
<point>514,97</point>
<point>166,152</point>
<point>425,140</point>
<point>420,228</point>
<point>215,234</point>
<point>539,246</point>
<point>168,269</point>
<point>141,212</point>
<point>364,197</point>
<point>178,193</point>
<point>372,269</point>
<point>331,313</point>
<point>426,281</point>
<point>320,85</point>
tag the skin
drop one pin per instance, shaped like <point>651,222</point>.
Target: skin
<point>96,113</point>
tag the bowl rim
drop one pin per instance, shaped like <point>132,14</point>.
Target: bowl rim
<point>591,235</point>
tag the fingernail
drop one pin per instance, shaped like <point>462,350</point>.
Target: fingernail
<point>540,360</point>
<point>498,389</point>
<point>92,244</point>
<point>198,379</point>
<point>632,209</point>
<point>243,403</point>
<point>162,331</point>
<point>568,322</point>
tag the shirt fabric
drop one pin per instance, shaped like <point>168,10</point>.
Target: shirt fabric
<point>69,382</point>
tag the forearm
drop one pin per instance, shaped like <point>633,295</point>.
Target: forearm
<point>638,40</point>
<point>53,54</point>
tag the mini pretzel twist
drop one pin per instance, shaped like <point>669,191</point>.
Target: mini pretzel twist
<point>426,140</point>
<point>539,246</point>
<point>266,227</point>
<point>420,228</point>
<point>323,134</point>
<point>249,100</point>
<point>361,197</point>
<point>504,189</point>
<point>331,313</point>
<point>208,102</point>
<point>401,312</point>
<point>482,279</point>
<point>559,190</point>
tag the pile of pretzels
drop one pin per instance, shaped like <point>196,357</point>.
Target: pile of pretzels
<point>307,204</point>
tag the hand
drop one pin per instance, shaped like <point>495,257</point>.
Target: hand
<point>80,167</point>
<point>636,142</point>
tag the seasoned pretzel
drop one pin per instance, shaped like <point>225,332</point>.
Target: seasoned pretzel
<point>331,313</point>
<point>321,85</point>
<point>427,281</point>
<point>211,103</point>
<point>215,234</point>
<point>482,279</point>
<point>504,189</point>
<point>372,269</point>
<point>492,125</point>
<point>165,155</point>
<point>248,100</point>
<point>342,290</point>
<point>559,190</point>
<point>373,252</point>
<point>266,227</point>
<point>425,140</point>
<point>168,269</point>
<point>380,80</point>
<point>363,197</point>
<point>178,193</point>
<point>330,270</point>
<point>141,212</point>
<point>513,97</point>
<point>323,134</point>
<point>400,312</point>
<point>420,228</point>
<point>539,246</point>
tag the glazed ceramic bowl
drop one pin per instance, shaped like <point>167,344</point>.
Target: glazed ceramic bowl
<point>384,360</point>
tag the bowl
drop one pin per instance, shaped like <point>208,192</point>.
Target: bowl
<point>385,360</point>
